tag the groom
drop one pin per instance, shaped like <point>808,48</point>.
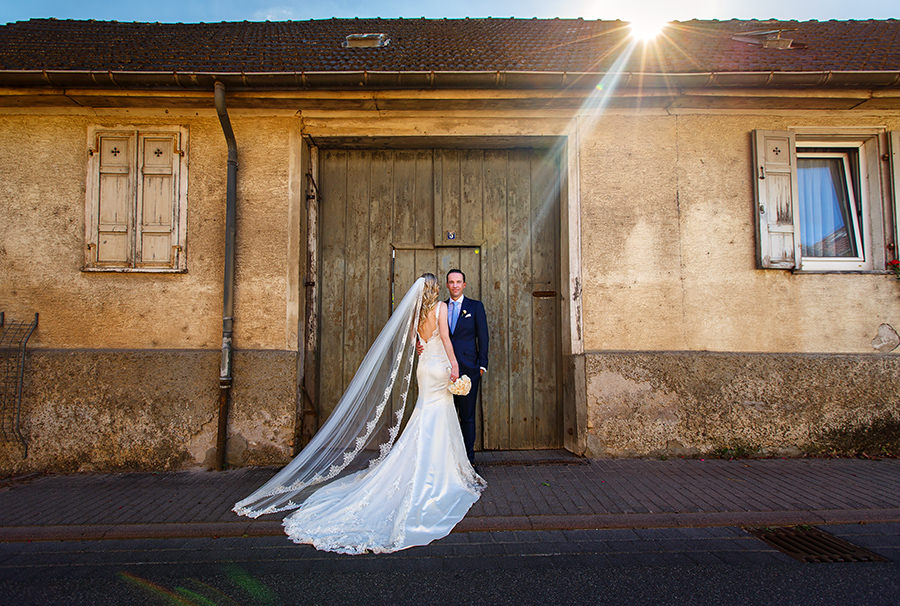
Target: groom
<point>469,335</point>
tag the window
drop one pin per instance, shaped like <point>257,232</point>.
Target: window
<point>366,41</point>
<point>136,200</point>
<point>831,208</point>
<point>820,205</point>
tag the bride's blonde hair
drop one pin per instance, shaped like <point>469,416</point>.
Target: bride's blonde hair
<point>429,296</point>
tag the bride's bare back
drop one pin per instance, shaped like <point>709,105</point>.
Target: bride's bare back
<point>426,330</point>
<point>436,322</point>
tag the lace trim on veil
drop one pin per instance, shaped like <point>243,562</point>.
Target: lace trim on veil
<point>298,479</point>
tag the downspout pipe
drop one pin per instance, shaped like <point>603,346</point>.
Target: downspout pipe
<point>225,365</point>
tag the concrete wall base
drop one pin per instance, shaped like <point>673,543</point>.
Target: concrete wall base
<point>695,403</point>
<point>108,410</point>
<point>129,410</point>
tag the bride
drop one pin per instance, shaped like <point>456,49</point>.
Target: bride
<point>356,486</point>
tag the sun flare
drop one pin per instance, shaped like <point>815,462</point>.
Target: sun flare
<point>646,28</point>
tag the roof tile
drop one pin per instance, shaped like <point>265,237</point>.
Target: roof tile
<point>556,45</point>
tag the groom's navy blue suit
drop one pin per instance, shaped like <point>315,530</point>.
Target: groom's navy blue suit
<point>470,346</point>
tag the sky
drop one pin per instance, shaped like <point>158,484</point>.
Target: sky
<point>277,10</point>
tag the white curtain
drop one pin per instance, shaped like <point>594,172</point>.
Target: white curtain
<point>826,225</point>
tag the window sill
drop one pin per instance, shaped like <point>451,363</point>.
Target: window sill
<point>876,272</point>
<point>134,270</point>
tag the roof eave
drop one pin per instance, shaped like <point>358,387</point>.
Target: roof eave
<point>354,80</point>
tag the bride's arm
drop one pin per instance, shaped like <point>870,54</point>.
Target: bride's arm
<point>444,331</point>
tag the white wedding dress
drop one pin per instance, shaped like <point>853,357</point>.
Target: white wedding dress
<point>416,494</point>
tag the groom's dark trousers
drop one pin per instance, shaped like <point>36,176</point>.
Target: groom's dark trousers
<point>470,346</point>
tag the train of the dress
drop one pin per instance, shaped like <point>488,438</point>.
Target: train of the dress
<point>416,495</point>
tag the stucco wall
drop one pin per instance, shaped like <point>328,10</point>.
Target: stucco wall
<point>669,258</point>
<point>666,212</point>
<point>43,160</point>
<point>669,274</point>
<point>668,250</point>
<point>123,369</point>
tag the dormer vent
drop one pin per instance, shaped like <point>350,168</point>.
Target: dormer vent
<point>768,39</point>
<point>366,41</point>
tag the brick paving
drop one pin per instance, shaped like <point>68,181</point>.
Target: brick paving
<point>543,493</point>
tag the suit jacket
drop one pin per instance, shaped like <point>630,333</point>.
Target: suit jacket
<point>470,338</point>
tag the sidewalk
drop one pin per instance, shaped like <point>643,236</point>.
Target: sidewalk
<point>526,491</point>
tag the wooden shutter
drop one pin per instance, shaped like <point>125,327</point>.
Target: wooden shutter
<point>115,196</point>
<point>156,199</point>
<point>775,187</point>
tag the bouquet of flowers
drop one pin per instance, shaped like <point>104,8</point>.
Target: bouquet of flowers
<point>461,386</point>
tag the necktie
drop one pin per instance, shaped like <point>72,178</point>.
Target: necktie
<point>454,316</point>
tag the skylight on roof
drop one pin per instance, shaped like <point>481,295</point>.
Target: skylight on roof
<point>768,39</point>
<point>366,41</point>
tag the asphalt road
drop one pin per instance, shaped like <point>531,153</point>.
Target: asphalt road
<point>650,566</point>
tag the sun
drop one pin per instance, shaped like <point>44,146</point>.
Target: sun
<point>646,28</point>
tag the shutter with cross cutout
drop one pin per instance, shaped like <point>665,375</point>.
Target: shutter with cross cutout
<point>115,199</point>
<point>156,202</point>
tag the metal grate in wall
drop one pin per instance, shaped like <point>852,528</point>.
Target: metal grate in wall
<point>13,340</point>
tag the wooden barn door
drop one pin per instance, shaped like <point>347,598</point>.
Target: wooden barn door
<point>522,397</point>
<point>388,216</point>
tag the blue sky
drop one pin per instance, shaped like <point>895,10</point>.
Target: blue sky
<point>255,10</point>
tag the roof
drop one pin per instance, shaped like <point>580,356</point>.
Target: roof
<point>508,46</point>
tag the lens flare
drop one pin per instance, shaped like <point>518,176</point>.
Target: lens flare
<point>646,28</point>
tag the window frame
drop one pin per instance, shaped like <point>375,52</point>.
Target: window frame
<point>860,216</point>
<point>893,158</point>
<point>776,195</point>
<point>137,134</point>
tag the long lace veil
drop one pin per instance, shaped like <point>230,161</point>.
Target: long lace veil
<point>358,433</point>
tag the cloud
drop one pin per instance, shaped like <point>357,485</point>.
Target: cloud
<point>276,13</point>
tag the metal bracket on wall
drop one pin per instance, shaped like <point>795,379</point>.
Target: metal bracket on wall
<point>13,340</point>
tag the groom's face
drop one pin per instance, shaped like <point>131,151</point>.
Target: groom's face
<point>455,285</point>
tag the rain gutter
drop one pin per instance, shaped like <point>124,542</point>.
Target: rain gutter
<point>225,366</point>
<point>194,80</point>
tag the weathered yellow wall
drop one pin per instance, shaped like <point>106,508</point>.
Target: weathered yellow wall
<point>669,261</point>
<point>666,206</point>
<point>667,226</point>
<point>43,160</point>
<point>668,266</point>
<point>123,372</point>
